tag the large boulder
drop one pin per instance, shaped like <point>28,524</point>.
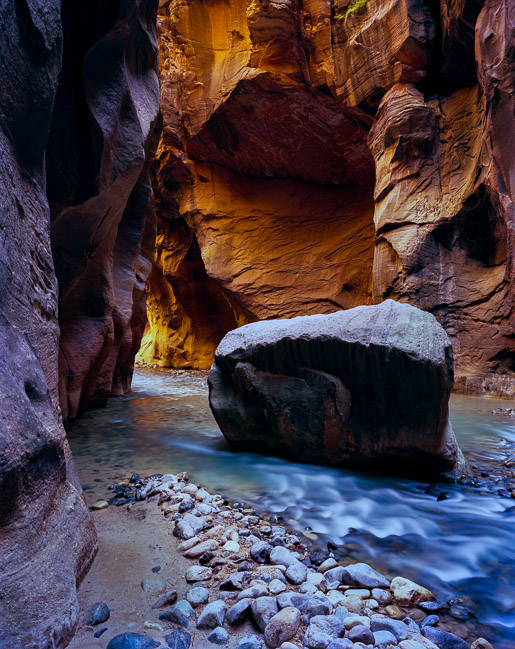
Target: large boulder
<point>367,388</point>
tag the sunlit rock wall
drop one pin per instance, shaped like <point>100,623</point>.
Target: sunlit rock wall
<point>314,159</point>
<point>264,179</point>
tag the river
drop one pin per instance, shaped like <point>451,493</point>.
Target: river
<point>452,538</point>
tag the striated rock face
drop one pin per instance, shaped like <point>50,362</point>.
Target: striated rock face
<point>313,160</point>
<point>100,196</point>
<point>444,213</point>
<point>368,388</point>
<point>264,179</point>
<point>46,536</point>
<point>88,109</point>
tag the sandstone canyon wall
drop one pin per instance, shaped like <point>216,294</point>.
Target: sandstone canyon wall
<point>79,92</point>
<point>313,160</point>
<point>102,139</point>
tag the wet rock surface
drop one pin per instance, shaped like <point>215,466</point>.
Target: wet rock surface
<point>236,607</point>
<point>340,389</point>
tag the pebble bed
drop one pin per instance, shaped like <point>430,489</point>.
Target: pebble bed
<point>245,569</point>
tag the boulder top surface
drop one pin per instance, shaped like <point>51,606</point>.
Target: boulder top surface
<point>388,324</point>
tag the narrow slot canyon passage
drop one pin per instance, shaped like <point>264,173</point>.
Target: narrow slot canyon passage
<point>257,324</point>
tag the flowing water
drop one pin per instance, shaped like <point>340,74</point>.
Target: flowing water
<point>454,539</point>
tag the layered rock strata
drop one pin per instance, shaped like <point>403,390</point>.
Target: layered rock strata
<point>267,206</point>
<point>367,388</point>
<point>88,109</point>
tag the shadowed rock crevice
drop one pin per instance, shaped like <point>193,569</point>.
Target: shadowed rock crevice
<point>103,221</point>
<point>62,112</point>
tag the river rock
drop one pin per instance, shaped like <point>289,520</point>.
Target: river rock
<point>213,615</point>
<point>444,639</point>
<point>327,565</point>
<point>186,504</point>
<point>354,605</point>
<point>282,626</point>
<point>180,614</point>
<point>198,573</point>
<point>197,596</point>
<point>316,638</point>
<point>340,643</point>
<point>417,642</point>
<point>218,636</point>
<point>250,642</point>
<point>276,586</point>
<point>236,581</point>
<point>361,633</point>
<point>200,548</point>
<point>383,623</point>
<point>178,640</point>
<point>298,600</point>
<point>407,592</point>
<point>384,638</point>
<point>263,609</point>
<point>153,584</point>
<point>239,612</point>
<point>132,641</point>
<point>335,597</point>
<point>281,556</point>
<point>296,573</point>
<point>382,596</point>
<point>96,614</point>
<point>335,574</point>
<point>353,620</point>
<point>318,580</point>
<point>258,589</point>
<point>166,600</point>
<point>318,605</point>
<point>188,527</point>
<point>260,551</point>
<point>355,377</point>
<point>362,575</point>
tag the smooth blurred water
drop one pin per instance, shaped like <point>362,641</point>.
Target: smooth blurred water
<point>451,538</point>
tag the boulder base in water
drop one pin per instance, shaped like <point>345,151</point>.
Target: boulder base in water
<point>366,388</point>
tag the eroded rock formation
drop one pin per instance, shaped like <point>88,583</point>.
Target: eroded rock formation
<point>89,111</point>
<point>102,139</point>
<point>46,536</point>
<point>368,387</point>
<point>271,202</point>
<point>264,179</point>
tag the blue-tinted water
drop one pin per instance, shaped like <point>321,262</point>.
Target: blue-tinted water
<point>451,538</point>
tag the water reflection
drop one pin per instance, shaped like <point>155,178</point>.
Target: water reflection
<point>451,538</point>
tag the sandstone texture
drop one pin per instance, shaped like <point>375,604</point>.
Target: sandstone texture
<point>46,536</point>
<point>79,101</point>
<point>264,178</point>
<point>314,159</point>
<point>367,387</point>
<point>102,138</point>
